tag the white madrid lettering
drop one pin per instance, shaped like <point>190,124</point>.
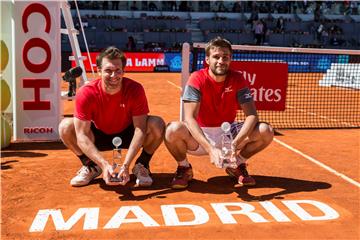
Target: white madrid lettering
<point>173,215</point>
<point>294,206</point>
<point>226,216</point>
<point>171,218</point>
<point>90,222</point>
<point>141,217</point>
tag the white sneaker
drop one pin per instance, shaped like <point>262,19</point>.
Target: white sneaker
<point>85,175</point>
<point>143,178</point>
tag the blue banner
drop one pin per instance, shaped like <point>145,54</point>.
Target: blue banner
<point>174,60</point>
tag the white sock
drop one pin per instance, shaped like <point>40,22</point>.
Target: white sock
<point>240,160</point>
<point>184,163</point>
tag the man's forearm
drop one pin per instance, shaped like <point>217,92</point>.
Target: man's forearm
<point>198,134</point>
<point>90,150</point>
<point>248,126</point>
<point>135,145</point>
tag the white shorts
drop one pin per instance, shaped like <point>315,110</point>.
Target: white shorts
<point>214,136</point>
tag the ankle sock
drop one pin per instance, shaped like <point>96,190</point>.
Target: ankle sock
<point>144,159</point>
<point>86,161</point>
<point>184,163</point>
<point>240,160</point>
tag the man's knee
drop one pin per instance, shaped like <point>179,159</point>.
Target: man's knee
<point>174,130</point>
<point>156,126</point>
<point>66,128</point>
<point>266,132</point>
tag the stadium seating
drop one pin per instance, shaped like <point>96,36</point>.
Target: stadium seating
<point>109,27</point>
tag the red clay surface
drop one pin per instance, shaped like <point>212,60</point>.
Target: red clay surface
<point>35,176</point>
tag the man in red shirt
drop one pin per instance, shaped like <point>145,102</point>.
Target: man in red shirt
<point>212,96</point>
<point>112,106</point>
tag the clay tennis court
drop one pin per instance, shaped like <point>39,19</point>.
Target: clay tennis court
<point>307,188</point>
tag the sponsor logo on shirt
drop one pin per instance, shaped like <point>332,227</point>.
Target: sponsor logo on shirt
<point>228,89</point>
<point>247,95</point>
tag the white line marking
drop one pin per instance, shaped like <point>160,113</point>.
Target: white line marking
<point>346,178</point>
<point>174,85</point>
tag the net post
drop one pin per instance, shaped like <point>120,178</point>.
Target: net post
<point>185,73</point>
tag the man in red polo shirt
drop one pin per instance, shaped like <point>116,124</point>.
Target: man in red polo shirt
<point>212,96</point>
<point>112,106</point>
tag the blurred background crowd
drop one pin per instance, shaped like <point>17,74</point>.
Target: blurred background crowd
<point>165,25</point>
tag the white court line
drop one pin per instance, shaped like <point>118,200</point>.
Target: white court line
<point>174,85</point>
<point>346,178</point>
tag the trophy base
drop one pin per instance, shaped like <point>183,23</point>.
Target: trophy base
<point>116,178</point>
<point>228,163</point>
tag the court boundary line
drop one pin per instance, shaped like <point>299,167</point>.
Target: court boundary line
<point>313,160</point>
<point>171,83</point>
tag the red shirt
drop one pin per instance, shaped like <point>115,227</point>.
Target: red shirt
<point>111,113</point>
<point>218,100</point>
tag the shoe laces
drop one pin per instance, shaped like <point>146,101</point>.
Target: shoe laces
<point>84,171</point>
<point>243,170</point>
<point>139,169</point>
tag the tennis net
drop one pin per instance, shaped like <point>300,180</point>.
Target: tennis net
<point>298,87</point>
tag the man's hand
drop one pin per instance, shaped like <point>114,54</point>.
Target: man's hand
<point>124,175</point>
<point>108,172</point>
<point>237,146</point>
<point>214,155</point>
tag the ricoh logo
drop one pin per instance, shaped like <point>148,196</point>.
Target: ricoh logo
<point>38,130</point>
<point>36,82</point>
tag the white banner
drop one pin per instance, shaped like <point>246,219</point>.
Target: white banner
<point>38,66</point>
<point>342,75</point>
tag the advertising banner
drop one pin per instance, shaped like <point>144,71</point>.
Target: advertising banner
<point>267,81</point>
<point>37,41</point>
<point>342,75</point>
<point>143,62</point>
<point>173,60</point>
<point>136,62</point>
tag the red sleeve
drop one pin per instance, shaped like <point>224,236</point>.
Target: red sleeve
<point>239,78</point>
<point>194,80</point>
<point>84,104</point>
<point>139,102</point>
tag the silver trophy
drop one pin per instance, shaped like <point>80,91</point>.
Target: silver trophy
<point>116,159</point>
<point>226,157</point>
